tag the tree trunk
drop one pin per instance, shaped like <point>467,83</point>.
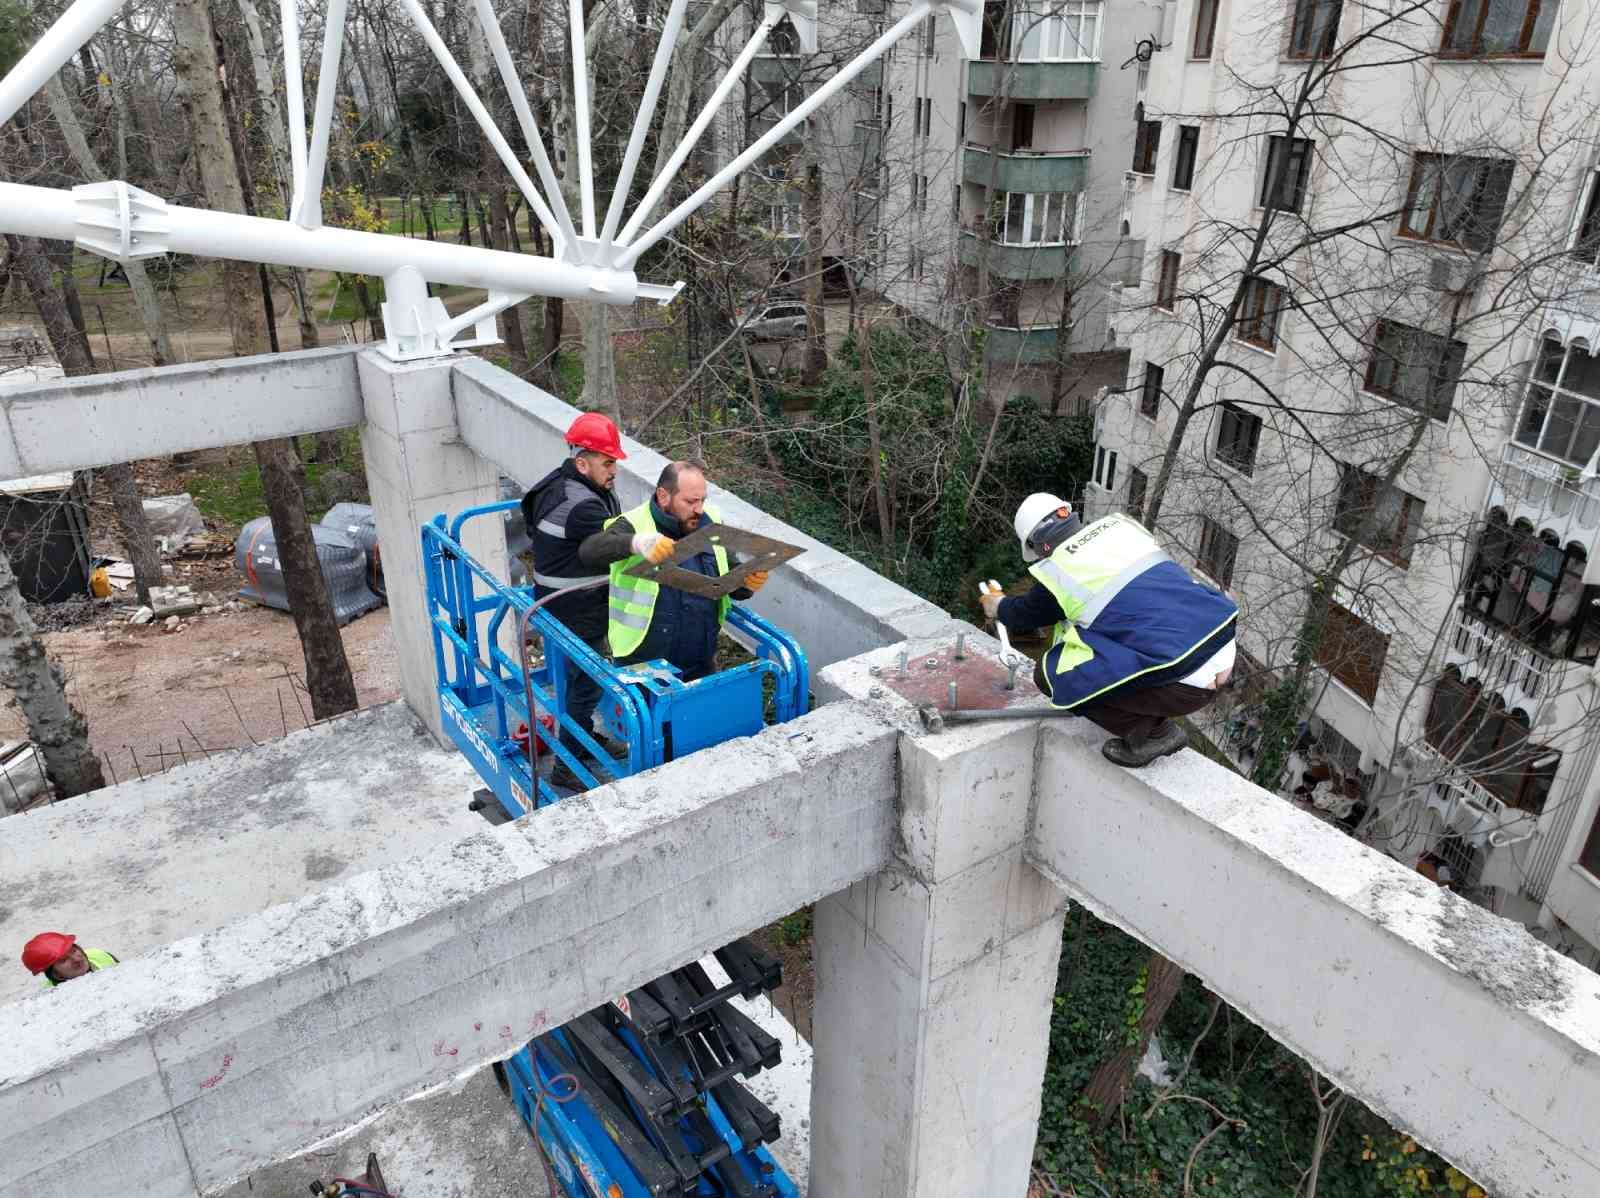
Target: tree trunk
<point>464,234</point>
<point>29,260</point>
<point>328,677</point>
<point>500,229</point>
<point>54,725</point>
<point>816,315</point>
<point>1103,1095</point>
<point>869,398</point>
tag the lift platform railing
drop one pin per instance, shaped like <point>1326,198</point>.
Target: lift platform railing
<point>486,692</point>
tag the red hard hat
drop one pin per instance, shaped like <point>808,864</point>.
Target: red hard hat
<point>45,949</point>
<point>596,432</point>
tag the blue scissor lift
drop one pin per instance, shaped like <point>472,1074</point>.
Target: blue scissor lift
<point>640,1096</point>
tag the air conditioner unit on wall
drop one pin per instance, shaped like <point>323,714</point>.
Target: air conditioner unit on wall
<point>1451,272</point>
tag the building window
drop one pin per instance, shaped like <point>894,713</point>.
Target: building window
<point>1146,141</point>
<point>1259,309</point>
<point>1396,515</point>
<point>785,220</point>
<point>1105,467</point>
<point>1479,28</point>
<point>1150,392</point>
<point>1414,368</point>
<point>1561,415</point>
<point>919,192</point>
<point>1456,200</point>
<point>1586,238</point>
<point>1490,743</point>
<point>1238,435</point>
<point>1068,31</point>
<point>1283,185</point>
<point>1205,27</point>
<point>1219,548</point>
<point>1590,857</point>
<point>1315,29</point>
<point>1532,587</point>
<point>1167,279</point>
<point>1352,651</point>
<point>1041,218</point>
<point>925,110</point>
<point>929,32</point>
<point>1138,485</point>
<point>1183,164</point>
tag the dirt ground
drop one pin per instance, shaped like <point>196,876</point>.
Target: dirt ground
<point>155,699</point>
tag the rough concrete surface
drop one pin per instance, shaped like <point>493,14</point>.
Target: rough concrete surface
<point>460,1140</point>
<point>146,863</point>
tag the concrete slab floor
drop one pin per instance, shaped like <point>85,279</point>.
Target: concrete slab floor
<point>463,1140</point>
<point>146,863</point>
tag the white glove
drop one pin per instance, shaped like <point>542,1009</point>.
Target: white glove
<point>653,547</point>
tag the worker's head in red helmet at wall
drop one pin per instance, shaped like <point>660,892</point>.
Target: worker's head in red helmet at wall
<point>56,955</point>
<point>596,448</point>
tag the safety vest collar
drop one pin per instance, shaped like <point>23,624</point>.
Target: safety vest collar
<point>1089,571</point>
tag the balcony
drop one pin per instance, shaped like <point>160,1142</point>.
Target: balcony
<point>1034,80</point>
<point>1547,493</point>
<point>759,126</point>
<point>1021,262</point>
<point>1020,347</point>
<point>778,70</point>
<point>1520,674</point>
<point>1023,170</point>
<point>868,141</point>
<point>870,78</point>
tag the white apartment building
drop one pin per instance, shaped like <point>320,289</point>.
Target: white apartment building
<point>1424,299</point>
<point>1034,134</point>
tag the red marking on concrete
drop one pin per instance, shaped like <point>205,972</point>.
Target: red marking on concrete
<point>439,1050</point>
<point>227,1063</point>
<point>505,1031</point>
<point>539,1023</point>
<point>477,1027</point>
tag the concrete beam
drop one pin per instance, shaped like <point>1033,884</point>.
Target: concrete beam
<point>181,1071</point>
<point>99,419</point>
<point>1450,1022</point>
<point>833,604</point>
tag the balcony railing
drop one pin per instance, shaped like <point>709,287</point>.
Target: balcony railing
<point>1025,170</point>
<point>778,70</point>
<point>1020,262</point>
<point>1030,346</point>
<point>1034,80</point>
<point>1524,676</point>
<point>1547,493</point>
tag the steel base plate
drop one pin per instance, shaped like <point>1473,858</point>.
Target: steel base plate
<point>980,681</point>
<point>759,553</point>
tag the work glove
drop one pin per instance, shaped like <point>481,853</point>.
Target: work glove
<point>755,580</point>
<point>653,547</point>
<point>989,596</point>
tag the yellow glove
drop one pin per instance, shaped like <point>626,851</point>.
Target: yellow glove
<point>653,547</point>
<point>755,580</point>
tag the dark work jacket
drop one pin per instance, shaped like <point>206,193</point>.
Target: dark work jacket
<point>562,509</point>
<point>683,627</point>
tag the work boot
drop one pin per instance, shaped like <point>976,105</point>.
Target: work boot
<point>562,777</point>
<point>1167,738</point>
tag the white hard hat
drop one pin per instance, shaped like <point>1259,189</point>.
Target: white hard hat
<point>1031,512</point>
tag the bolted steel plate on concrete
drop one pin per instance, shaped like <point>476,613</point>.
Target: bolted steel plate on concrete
<point>759,553</point>
<point>980,681</point>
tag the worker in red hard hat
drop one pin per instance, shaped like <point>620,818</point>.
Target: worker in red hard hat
<point>574,501</point>
<point>57,957</point>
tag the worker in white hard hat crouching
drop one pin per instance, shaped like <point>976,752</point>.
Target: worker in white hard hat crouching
<point>1137,641</point>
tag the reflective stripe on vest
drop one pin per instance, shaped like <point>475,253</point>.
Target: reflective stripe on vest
<point>554,522</point>
<point>1088,572</point>
<point>632,601</point>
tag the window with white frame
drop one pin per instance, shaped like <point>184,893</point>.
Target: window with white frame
<point>1561,416</point>
<point>1105,467</point>
<point>1585,240</point>
<point>1063,32</point>
<point>1039,218</point>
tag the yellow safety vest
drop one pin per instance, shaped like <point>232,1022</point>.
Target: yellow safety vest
<point>98,959</point>
<point>633,600</point>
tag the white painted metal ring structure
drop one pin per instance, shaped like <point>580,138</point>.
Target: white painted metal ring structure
<point>119,221</point>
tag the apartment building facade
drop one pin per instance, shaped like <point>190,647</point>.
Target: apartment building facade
<point>987,191</point>
<point>1365,323</point>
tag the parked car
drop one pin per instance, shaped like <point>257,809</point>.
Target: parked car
<point>775,321</point>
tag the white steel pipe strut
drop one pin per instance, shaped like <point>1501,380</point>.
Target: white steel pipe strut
<point>918,12</point>
<point>490,24</point>
<point>294,92</point>
<point>491,132</point>
<point>51,52</point>
<point>308,205</point>
<point>641,122</point>
<point>65,216</point>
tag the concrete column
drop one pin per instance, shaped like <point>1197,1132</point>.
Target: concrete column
<point>935,977</point>
<point>417,467</point>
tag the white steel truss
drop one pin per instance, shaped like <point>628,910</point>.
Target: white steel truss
<point>119,221</point>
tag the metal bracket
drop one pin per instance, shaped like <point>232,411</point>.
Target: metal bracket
<point>759,553</point>
<point>119,221</point>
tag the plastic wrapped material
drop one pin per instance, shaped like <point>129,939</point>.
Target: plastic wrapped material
<point>343,560</point>
<point>173,519</point>
<point>357,520</point>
